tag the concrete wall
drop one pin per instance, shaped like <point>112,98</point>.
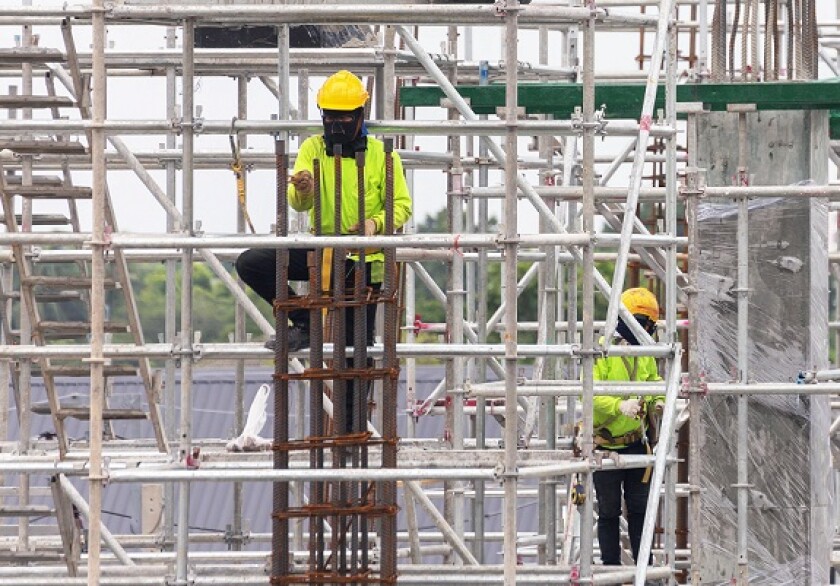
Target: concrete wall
<point>789,516</point>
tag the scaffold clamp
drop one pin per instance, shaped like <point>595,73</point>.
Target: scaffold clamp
<point>688,388</point>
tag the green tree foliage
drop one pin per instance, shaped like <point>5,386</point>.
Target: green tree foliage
<point>432,311</point>
<point>213,305</point>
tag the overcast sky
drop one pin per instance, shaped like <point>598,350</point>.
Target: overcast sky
<point>144,98</point>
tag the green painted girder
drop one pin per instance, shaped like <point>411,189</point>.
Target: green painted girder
<point>624,100</point>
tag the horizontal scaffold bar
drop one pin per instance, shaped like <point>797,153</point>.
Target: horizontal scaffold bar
<point>390,13</point>
<point>386,127</point>
<point>624,100</point>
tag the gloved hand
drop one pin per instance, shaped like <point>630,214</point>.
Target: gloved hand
<point>630,408</point>
<point>370,227</point>
<point>302,180</point>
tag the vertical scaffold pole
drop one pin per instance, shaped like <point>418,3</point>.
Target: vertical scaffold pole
<point>97,293</point>
<point>587,333</point>
<point>510,249</point>
<point>185,447</point>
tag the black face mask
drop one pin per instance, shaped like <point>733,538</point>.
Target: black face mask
<point>343,132</point>
<point>625,332</point>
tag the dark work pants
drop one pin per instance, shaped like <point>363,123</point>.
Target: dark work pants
<point>608,488</point>
<point>257,267</point>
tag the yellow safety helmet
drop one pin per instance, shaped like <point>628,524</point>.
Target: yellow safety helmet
<point>342,91</point>
<point>640,301</point>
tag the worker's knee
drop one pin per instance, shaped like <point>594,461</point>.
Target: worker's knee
<point>245,263</point>
<point>609,501</point>
<point>637,499</point>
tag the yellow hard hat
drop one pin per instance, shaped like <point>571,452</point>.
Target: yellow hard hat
<point>342,91</point>
<point>640,301</point>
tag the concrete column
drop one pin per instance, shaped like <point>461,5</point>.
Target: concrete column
<point>788,515</point>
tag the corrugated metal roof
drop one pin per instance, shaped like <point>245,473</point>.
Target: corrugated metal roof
<point>211,503</point>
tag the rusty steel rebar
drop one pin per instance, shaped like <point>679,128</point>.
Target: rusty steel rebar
<point>388,489</point>
<point>280,557</point>
<point>316,386</point>
<point>339,492</point>
<point>360,385</point>
<point>350,506</point>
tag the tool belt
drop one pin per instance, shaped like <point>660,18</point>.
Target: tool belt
<point>603,437</point>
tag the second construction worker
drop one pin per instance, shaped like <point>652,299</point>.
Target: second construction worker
<point>342,101</point>
<point>620,426</point>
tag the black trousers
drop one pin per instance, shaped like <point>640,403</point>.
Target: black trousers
<point>258,269</point>
<point>608,488</point>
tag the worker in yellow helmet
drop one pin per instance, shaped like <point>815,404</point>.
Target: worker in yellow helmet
<point>620,426</point>
<point>342,101</point>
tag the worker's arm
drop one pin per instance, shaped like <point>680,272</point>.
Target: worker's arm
<point>301,188</point>
<point>402,200</point>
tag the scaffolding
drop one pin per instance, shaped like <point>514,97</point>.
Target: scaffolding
<point>537,390</point>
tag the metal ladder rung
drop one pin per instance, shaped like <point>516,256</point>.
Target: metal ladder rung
<point>83,413</point>
<point>26,511</point>
<point>42,219</point>
<point>18,55</point>
<point>84,371</point>
<point>56,296</point>
<point>36,180</point>
<point>49,192</point>
<point>36,146</point>
<point>20,557</point>
<point>77,327</point>
<point>18,101</point>
<point>63,282</point>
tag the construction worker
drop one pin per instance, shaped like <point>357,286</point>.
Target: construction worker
<point>342,101</point>
<point>620,426</point>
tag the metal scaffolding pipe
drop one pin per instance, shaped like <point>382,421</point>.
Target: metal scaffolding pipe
<point>470,127</point>
<point>334,13</point>
<point>108,537</point>
<point>619,194</point>
<point>454,241</point>
<point>645,121</point>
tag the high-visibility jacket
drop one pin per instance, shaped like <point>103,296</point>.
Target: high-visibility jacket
<point>313,148</point>
<point>607,417</point>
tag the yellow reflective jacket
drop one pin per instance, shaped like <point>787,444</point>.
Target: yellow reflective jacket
<point>621,368</point>
<point>313,148</point>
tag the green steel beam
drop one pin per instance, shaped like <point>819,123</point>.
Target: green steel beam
<point>624,100</point>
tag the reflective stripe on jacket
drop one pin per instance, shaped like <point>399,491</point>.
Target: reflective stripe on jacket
<point>620,368</point>
<point>315,148</point>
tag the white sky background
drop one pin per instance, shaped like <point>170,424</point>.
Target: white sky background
<point>215,197</point>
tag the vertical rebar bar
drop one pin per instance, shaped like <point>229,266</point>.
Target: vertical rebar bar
<point>316,359</point>
<point>360,388</point>
<point>388,569</point>
<point>340,415</point>
<point>280,554</point>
